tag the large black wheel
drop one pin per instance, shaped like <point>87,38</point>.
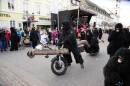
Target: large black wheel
<point>87,50</point>
<point>59,67</point>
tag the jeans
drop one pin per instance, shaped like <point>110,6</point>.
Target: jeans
<point>30,43</point>
<point>4,43</point>
<point>1,47</point>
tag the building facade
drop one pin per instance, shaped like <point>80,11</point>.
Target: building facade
<point>31,13</point>
<point>102,20</point>
<point>113,15</point>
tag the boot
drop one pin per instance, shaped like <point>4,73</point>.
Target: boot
<point>82,65</point>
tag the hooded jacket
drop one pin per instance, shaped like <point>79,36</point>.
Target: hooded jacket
<point>2,34</point>
<point>34,35</point>
<point>68,35</point>
<point>116,39</point>
<point>14,36</point>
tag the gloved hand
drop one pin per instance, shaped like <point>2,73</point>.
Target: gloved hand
<point>119,84</point>
<point>66,43</point>
<point>62,42</point>
<point>59,47</point>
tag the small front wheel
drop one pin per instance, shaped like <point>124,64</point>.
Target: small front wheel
<point>59,67</point>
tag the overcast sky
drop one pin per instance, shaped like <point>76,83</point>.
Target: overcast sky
<point>124,11</point>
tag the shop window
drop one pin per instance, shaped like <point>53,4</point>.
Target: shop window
<point>25,7</point>
<point>19,24</point>
<point>11,5</point>
<point>38,9</point>
<point>73,1</point>
<point>48,10</point>
<point>12,23</point>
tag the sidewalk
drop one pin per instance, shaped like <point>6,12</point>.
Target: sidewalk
<point>11,75</point>
<point>8,78</point>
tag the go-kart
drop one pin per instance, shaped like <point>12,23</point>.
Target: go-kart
<point>58,63</point>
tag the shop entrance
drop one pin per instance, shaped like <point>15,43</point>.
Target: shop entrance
<point>27,24</point>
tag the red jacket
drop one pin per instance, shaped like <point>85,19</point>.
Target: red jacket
<point>7,34</point>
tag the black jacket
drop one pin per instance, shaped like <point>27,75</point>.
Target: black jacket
<point>96,33</point>
<point>117,40</point>
<point>100,32</point>
<point>69,39</point>
<point>2,37</point>
<point>14,36</point>
<point>127,33</point>
<point>89,36</point>
<point>34,35</point>
<point>68,36</point>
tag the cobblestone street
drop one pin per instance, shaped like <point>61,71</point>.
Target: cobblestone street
<point>16,69</point>
<point>8,78</point>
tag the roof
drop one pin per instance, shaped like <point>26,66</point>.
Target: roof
<point>92,5</point>
<point>82,11</point>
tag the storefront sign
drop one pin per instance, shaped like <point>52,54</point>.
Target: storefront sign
<point>4,15</point>
<point>40,18</point>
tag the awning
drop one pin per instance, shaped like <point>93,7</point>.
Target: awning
<point>82,11</point>
<point>43,23</point>
<point>30,21</point>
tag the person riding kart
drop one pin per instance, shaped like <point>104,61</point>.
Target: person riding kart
<point>68,38</point>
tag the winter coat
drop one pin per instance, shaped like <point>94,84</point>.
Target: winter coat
<point>44,38</point>
<point>68,36</point>
<point>34,35</point>
<point>18,33</point>
<point>7,34</point>
<point>89,36</point>
<point>14,36</point>
<point>54,35</point>
<point>127,33</point>
<point>117,40</point>
<point>100,32</point>
<point>96,33</point>
<point>2,37</point>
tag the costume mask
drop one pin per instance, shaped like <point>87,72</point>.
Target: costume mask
<point>62,26</point>
<point>120,59</point>
<point>117,29</point>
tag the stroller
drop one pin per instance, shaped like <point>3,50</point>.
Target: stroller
<point>26,40</point>
<point>93,42</point>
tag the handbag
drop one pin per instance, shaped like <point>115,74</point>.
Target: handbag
<point>109,48</point>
